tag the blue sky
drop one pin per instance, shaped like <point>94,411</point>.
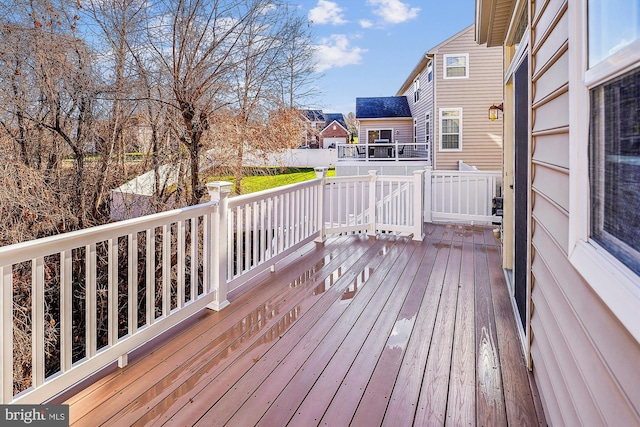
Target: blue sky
<point>369,47</point>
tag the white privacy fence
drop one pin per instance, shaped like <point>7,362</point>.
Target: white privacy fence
<point>74,303</point>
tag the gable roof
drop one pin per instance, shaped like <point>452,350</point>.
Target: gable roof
<point>382,107</point>
<point>328,124</point>
<point>337,117</point>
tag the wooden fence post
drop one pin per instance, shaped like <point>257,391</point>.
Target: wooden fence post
<point>219,192</point>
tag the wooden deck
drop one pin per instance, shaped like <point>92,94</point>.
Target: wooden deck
<point>358,331</point>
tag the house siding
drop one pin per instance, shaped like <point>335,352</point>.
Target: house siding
<point>481,138</point>
<point>584,361</point>
<point>423,106</point>
<point>404,128</point>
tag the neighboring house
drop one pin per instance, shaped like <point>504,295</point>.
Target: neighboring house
<point>324,130</point>
<point>384,119</point>
<point>572,193</point>
<point>335,131</point>
<point>448,92</point>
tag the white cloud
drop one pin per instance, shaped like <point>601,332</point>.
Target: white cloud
<point>335,51</point>
<point>394,11</point>
<point>327,12</point>
<point>365,23</point>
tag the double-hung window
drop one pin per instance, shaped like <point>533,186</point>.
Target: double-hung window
<point>450,129</point>
<point>456,66</point>
<point>430,72</point>
<point>605,146</point>
<point>416,90</point>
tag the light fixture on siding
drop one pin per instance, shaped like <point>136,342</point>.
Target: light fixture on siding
<point>493,111</point>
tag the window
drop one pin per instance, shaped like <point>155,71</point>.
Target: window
<point>415,130</point>
<point>604,225</point>
<point>430,72</point>
<point>380,135</point>
<point>615,167</point>
<point>427,128</point>
<point>613,25</point>
<point>416,90</point>
<point>451,129</point>
<point>456,66</point>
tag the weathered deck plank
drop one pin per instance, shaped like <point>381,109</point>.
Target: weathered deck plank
<point>461,410</point>
<point>355,332</point>
<point>315,348</point>
<point>348,344</point>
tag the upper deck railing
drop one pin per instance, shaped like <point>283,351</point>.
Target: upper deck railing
<point>393,151</point>
<point>74,303</point>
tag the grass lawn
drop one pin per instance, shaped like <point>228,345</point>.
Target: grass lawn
<point>275,178</point>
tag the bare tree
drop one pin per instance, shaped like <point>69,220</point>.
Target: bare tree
<point>298,62</point>
<point>120,22</point>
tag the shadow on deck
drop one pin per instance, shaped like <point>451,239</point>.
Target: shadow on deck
<point>357,331</point>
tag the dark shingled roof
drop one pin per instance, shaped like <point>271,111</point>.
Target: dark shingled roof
<point>382,107</point>
<point>314,115</point>
<point>338,117</point>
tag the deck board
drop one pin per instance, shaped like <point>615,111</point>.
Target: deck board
<point>357,331</point>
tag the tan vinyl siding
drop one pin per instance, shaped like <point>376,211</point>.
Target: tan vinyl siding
<point>481,138</point>
<point>403,126</point>
<point>424,104</point>
<point>584,361</point>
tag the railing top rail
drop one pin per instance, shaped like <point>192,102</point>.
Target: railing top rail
<point>272,192</point>
<point>353,178</point>
<point>465,173</point>
<point>32,249</point>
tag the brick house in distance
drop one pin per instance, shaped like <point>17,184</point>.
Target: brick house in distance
<point>324,130</point>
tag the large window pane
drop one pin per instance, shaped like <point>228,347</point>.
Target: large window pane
<point>615,167</point>
<point>613,24</point>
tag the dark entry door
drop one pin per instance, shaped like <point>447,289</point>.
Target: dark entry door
<point>521,186</point>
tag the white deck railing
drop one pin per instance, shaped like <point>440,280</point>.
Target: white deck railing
<point>92,296</point>
<point>393,151</point>
<point>461,196</point>
<point>375,203</point>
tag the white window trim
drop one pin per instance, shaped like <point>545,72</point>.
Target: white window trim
<point>444,66</point>
<point>611,280</point>
<point>416,90</point>
<point>459,110</point>
<point>430,72</point>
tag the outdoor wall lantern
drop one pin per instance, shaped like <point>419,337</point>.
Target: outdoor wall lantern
<point>493,111</point>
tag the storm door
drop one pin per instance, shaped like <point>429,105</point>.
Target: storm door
<point>521,188</point>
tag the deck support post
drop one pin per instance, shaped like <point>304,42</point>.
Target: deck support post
<point>321,173</point>
<point>219,192</point>
<point>428,185</point>
<point>418,193</point>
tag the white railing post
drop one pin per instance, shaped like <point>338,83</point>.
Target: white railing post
<point>321,173</point>
<point>6,334</point>
<point>373,179</point>
<point>219,192</point>
<point>418,192</point>
<point>428,189</point>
